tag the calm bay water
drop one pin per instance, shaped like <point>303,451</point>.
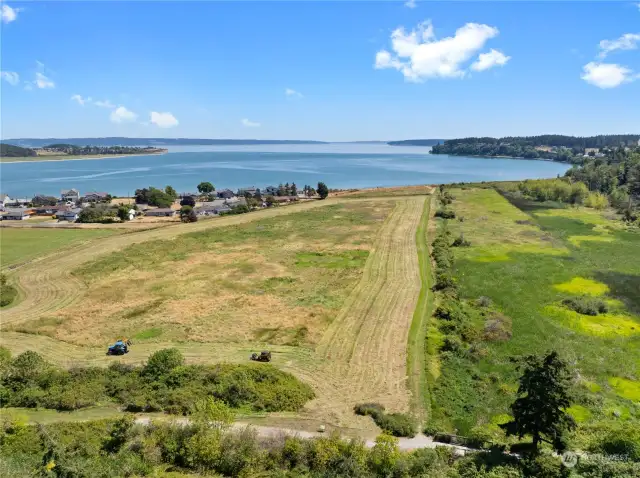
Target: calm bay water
<point>338,165</point>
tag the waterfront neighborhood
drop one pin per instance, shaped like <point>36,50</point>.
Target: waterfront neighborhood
<point>151,204</point>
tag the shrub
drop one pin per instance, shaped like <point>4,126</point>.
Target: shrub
<point>445,213</point>
<point>596,201</point>
<point>484,302</point>
<point>163,361</point>
<point>497,327</point>
<point>397,424</point>
<point>586,305</point>
<point>460,241</point>
<point>369,409</point>
<point>8,293</point>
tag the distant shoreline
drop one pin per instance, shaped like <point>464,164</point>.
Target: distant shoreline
<point>501,157</point>
<point>77,157</point>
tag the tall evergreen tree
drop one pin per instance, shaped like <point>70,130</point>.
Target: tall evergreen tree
<point>543,397</point>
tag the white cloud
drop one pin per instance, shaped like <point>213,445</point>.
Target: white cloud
<point>122,115</point>
<point>81,101</point>
<point>104,104</point>
<point>10,77</point>
<point>292,93</point>
<point>418,55</point>
<point>607,75</point>
<point>163,120</point>
<point>410,4</point>
<point>43,82</point>
<point>489,60</point>
<point>628,41</point>
<point>9,14</point>
<point>249,123</point>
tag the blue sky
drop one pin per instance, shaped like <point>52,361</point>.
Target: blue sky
<point>319,70</point>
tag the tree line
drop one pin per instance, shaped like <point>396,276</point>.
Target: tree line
<point>564,148</point>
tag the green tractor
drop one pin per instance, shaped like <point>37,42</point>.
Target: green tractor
<point>264,356</point>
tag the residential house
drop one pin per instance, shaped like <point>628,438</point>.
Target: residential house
<point>69,214</point>
<point>17,215</point>
<point>225,194</point>
<point>214,203</point>
<point>236,202</point>
<point>70,195</point>
<point>587,151</point>
<point>49,210</point>
<point>95,197</point>
<point>19,202</point>
<point>243,191</point>
<point>270,191</point>
<point>5,199</point>
<point>160,212</point>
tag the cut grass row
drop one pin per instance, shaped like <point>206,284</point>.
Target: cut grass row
<point>417,343</point>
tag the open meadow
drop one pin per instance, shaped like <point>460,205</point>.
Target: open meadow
<point>527,258</point>
<point>330,287</point>
<point>18,245</point>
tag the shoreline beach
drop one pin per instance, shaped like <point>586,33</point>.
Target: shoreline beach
<point>80,157</point>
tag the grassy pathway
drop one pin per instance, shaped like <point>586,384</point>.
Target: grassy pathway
<point>416,345</point>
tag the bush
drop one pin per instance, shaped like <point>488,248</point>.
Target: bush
<point>460,241</point>
<point>369,409</point>
<point>163,362</point>
<point>8,293</point>
<point>586,305</point>
<point>596,201</point>
<point>397,424</point>
<point>163,384</point>
<point>445,213</point>
<point>188,201</point>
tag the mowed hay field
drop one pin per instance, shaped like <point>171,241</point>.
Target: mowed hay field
<point>277,281</point>
<point>329,287</point>
<point>18,245</point>
<point>527,259</point>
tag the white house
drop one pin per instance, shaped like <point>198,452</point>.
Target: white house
<point>70,215</point>
<point>70,195</point>
<point>17,215</point>
<point>5,199</point>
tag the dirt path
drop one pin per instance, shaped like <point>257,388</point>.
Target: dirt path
<point>362,357</point>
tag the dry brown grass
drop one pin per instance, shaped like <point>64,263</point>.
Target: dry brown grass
<point>215,306</point>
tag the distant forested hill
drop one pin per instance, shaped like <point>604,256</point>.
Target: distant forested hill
<point>122,141</point>
<point>416,142</point>
<point>11,151</point>
<point>556,147</point>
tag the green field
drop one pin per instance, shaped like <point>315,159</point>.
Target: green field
<point>18,245</point>
<point>527,259</point>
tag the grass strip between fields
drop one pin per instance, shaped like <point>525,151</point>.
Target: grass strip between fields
<point>416,345</point>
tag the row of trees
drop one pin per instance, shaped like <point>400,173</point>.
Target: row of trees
<point>617,176</point>
<point>495,148</point>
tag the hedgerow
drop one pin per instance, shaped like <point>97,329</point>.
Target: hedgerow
<point>164,383</point>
